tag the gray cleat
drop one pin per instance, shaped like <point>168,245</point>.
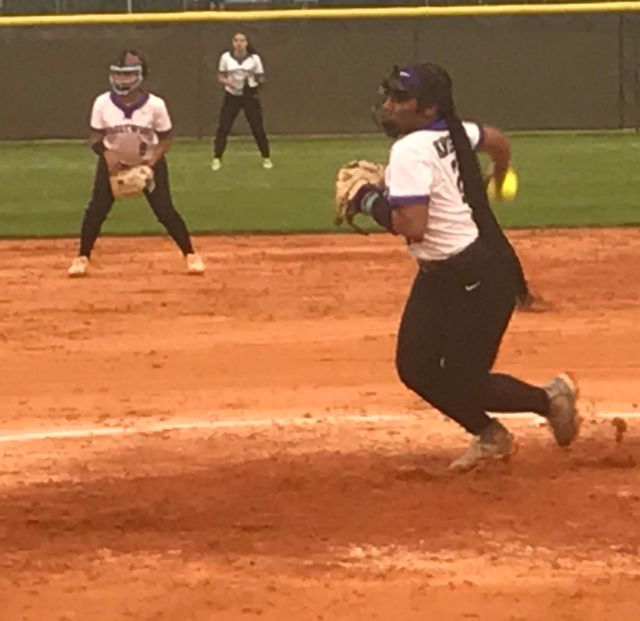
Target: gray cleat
<point>562,418</point>
<point>494,443</point>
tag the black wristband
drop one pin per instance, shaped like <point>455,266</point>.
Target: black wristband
<point>98,147</point>
<point>381,211</point>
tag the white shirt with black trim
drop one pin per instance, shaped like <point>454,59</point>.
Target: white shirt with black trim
<point>242,71</point>
<point>423,168</point>
<point>130,129</point>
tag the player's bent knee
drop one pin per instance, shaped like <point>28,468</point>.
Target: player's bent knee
<point>418,376</point>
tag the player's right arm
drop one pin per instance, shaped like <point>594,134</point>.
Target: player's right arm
<point>97,126</point>
<point>223,71</point>
<point>95,140</point>
<point>97,130</point>
<point>497,146</point>
<point>223,78</point>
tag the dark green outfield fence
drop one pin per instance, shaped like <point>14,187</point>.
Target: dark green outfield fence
<point>518,72</point>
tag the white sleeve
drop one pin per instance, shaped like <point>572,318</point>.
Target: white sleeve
<point>223,67</point>
<point>474,131</point>
<point>162,119</point>
<point>97,120</point>
<point>259,67</point>
<point>409,175</point>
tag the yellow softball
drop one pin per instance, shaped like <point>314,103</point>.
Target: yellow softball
<point>508,190</point>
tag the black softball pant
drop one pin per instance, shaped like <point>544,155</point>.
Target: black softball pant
<point>159,200</point>
<point>231,106</point>
<point>454,320</point>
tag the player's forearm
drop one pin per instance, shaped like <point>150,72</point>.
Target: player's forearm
<point>410,221</point>
<point>496,145</point>
<point>160,150</point>
<point>95,141</point>
<point>97,147</point>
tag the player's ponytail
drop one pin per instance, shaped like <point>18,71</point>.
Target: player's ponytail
<point>441,87</point>
<point>472,181</point>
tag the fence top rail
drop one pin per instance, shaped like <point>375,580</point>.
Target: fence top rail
<point>309,14</point>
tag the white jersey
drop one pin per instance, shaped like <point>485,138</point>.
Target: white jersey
<point>423,168</point>
<point>131,130</point>
<point>242,71</point>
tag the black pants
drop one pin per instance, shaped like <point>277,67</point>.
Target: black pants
<point>231,107</point>
<point>522,286</point>
<point>159,200</point>
<point>450,333</point>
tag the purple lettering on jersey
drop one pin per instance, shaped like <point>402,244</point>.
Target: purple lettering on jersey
<point>130,129</point>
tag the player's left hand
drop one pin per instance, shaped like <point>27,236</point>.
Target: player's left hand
<point>354,179</point>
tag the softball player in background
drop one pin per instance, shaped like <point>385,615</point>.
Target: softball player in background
<point>468,276</point>
<point>130,127</point>
<point>241,72</point>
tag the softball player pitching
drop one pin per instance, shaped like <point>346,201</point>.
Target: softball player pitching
<point>130,131</point>
<point>468,274</point>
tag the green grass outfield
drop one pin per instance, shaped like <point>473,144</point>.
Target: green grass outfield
<point>565,180</point>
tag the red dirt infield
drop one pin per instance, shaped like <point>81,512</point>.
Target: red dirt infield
<point>260,459</point>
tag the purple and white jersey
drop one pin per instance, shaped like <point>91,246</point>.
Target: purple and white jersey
<point>423,168</point>
<point>131,131</point>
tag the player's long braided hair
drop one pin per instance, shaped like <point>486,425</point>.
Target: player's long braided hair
<point>436,88</point>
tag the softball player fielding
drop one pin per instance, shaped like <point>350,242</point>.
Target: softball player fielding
<point>131,127</point>
<point>241,72</point>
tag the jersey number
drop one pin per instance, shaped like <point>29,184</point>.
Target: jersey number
<point>459,183</point>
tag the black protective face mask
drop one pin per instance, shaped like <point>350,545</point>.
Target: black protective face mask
<point>389,89</point>
<point>383,122</point>
<point>391,129</point>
